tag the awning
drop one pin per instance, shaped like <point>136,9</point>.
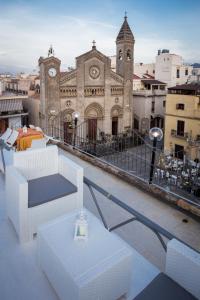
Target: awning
<point>11,105</point>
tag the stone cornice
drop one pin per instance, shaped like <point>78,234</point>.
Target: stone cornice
<point>183,117</point>
<point>116,77</point>
<point>49,60</point>
<point>68,76</point>
<point>93,53</point>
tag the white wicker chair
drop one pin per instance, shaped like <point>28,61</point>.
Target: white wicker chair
<point>28,177</point>
<point>6,134</point>
<point>183,266</point>
<point>12,138</point>
<point>36,144</point>
<point>31,126</point>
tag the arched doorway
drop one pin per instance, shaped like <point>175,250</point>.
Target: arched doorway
<point>93,113</point>
<point>116,114</point>
<point>114,125</point>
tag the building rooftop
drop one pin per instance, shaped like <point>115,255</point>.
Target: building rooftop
<point>186,89</point>
<point>189,87</point>
<point>125,32</point>
<point>152,81</point>
<point>136,77</point>
<point>20,275</point>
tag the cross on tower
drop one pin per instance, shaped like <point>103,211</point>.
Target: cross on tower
<point>125,15</point>
<point>51,51</point>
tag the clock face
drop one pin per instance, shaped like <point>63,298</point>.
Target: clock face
<point>52,72</point>
<point>94,72</point>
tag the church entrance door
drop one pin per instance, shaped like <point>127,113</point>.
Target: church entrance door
<point>92,129</point>
<point>67,126</point>
<point>114,125</point>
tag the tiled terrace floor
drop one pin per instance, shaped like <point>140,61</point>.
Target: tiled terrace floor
<point>20,277</point>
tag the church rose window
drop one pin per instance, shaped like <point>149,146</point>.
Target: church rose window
<point>94,72</point>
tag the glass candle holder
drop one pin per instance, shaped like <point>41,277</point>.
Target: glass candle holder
<point>81,227</point>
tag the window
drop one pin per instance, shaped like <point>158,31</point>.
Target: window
<point>180,106</point>
<point>179,151</point>
<point>186,72</point>
<point>153,71</point>
<point>164,103</point>
<point>180,128</point>
<point>153,107</point>
<point>177,73</point>
<point>128,55</point>
<point>120,54</point>
<point>136,124</point>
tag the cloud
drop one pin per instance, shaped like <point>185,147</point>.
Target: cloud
<point>146,48</point>
<point>26,34</point>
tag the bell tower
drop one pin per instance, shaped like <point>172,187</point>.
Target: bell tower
<point>125,51</point>
<point>124,66</point>
<point>49,90</point>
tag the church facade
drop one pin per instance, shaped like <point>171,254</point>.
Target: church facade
<point>101,96</point>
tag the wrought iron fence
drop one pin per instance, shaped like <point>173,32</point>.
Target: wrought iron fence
<point>132,153</point>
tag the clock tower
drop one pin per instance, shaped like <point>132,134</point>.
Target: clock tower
<point>49,92</point>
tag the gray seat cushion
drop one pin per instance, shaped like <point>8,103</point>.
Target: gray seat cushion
<point>164,288</point>
<point>48,188</point>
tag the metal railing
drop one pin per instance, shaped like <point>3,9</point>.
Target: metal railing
<point>132,153</point>
<point>159,232</point>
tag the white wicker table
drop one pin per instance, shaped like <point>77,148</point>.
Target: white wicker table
<point>99,268</point>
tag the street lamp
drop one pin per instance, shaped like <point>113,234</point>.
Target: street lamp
<point>75,117</point>
<point>155,134</point>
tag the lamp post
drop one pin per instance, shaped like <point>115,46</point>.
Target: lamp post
<point>75,117</point>
<point>155,134</point>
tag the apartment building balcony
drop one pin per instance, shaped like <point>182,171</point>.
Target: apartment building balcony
<point>180,135</point>
<point>194,141</point>
<point>149,93</point>
<point>159,92</point>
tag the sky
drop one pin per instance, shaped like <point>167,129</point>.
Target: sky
<point>28,28</point>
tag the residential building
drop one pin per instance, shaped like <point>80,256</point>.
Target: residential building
<point>101,96</point>
<point>2,86</point>
<point>12,112</point>
<point>182,121</point>
<point>148,104</point>
<point>137,84</point>
<point>195,77</point>
<point>140,69</point>
<point>24,84</point>
<point>171,69</point>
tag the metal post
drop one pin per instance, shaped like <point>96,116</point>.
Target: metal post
<point>3,160</point>
<point>75,128</point>
<point>153,159</point>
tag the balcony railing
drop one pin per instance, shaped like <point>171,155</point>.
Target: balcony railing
<point>162,234</point>
<point>149,93</point>
<point>180,135</point>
